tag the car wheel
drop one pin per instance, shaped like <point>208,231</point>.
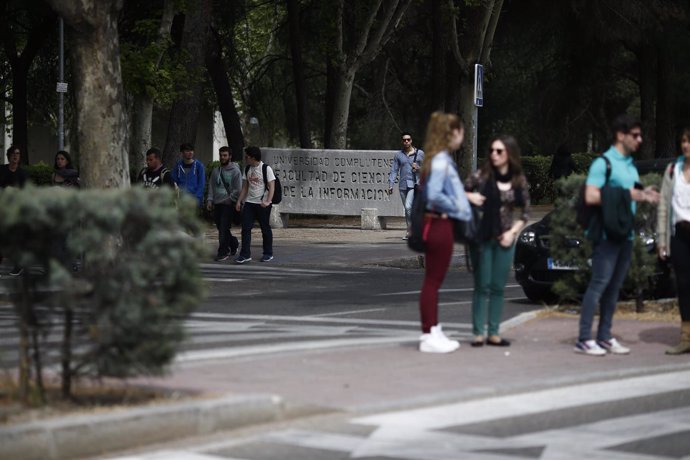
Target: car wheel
<point>538,294</point>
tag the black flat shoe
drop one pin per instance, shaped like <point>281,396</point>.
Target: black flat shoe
<point>477,343</point>
<point>501,343</point>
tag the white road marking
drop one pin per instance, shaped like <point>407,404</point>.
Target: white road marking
<point>349,312</point>
<point>470,289</point>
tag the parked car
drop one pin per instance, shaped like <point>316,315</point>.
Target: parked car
<point>536,271</point>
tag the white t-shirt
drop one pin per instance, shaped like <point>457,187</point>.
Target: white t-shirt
<point>681,197</point>
<point>257,191</point>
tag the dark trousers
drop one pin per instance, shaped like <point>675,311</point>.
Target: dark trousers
<point>680,257</point>
<point>250,213</point>
<point>610,263</point>
<point>439,249</point>
<point>222,214</point>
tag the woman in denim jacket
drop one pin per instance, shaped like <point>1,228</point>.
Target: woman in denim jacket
<point>446,200</point>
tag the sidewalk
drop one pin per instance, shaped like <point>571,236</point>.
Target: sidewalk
<point>241,391</point>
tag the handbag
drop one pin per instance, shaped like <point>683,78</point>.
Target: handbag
<point>419,225</point>
<point>467,231</point>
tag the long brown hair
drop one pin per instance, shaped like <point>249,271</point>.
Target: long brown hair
<point>514,163</point>
<point>438,135</point>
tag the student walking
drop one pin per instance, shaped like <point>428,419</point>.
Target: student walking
<point>406,165</point>
<point>673,234</point>
<point>498,187</point>
<point>446,201</point>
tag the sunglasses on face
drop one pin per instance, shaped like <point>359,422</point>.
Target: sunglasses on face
<point>636,135</point>
<point>407,140</point>
<point>499,151</point>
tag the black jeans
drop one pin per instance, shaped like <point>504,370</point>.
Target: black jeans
<point>250,213</point>
<point>680,257</point>
<point>222,214</point>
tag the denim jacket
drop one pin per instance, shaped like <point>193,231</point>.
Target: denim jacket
<point>444,190</point>
<point>403,164</point>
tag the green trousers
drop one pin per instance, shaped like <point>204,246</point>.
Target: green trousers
<point>492,264</point>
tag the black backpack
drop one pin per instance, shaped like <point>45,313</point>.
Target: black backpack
<point>583,211</point>
<point>278,189</point>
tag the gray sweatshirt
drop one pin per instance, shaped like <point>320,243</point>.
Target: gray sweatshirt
<point>217,192</point>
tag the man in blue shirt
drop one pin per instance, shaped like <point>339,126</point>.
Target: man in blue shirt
<point>407,163</point>
<point>189,174</point>
<point>610,257</point>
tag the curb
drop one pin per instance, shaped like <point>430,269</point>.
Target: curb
<point>88,435</point>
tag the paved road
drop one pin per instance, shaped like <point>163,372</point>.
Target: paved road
<point>635,418</point>
<point>254,308</point>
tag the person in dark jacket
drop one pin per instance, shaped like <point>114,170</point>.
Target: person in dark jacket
<point>64,173</point>
<point>611,255</point>
<point>562,164</point>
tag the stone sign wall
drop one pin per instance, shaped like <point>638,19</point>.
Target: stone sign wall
<point>336,182</point>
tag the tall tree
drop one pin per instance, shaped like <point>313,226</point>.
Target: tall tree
<point>473,27</point>
<point>101,117</point>
<point>24,30</point>
<point>294,12</point>
<point>145,58</point>
<point>184,115</point>
<point>361,33</point>
<point>226,104</point>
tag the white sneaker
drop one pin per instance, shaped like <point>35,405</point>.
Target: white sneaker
<point>613,346</point>
<point>589,347</point>
<point>437,342</point>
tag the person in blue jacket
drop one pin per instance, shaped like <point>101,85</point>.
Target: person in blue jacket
<point>189,173</point>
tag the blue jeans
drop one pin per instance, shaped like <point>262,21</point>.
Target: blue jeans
<point>250,213</point>
<point>407,196</point>
<point>610,262</point>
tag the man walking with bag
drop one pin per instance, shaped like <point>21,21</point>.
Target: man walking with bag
<point>406,163</point>
<point>224,189</point>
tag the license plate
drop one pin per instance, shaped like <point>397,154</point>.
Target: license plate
<point>556,265</point>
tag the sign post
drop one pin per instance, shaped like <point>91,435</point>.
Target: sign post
<point>478,102</point>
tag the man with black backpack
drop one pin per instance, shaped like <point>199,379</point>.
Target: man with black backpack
<point>258,189</point>
<point>224,187</point>
<point>407,163</point>
<point>612,186</point>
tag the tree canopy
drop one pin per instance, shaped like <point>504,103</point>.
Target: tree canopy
<point>331,73</point>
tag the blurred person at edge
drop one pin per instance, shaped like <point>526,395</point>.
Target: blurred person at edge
<point>446,200</point>
<point>673,234</point>
<point>13,175</point>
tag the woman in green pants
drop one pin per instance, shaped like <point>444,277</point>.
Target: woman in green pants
<point>498,187</point>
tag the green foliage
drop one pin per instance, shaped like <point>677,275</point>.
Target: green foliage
<point>539,178</point>
<point>564,230</point>
<point>138,275</point>
<point>40,173</point>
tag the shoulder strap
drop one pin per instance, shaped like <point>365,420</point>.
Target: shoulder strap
<point>222,179</point>
<point>246,170</point>
<point>608,169</point>
<point>264,168</point>
<point>671,169</point>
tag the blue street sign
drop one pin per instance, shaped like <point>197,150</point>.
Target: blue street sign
<point>478,85</point>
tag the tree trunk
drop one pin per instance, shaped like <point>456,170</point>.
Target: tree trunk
<point>142,117</point>
<point>184,115</point>
<point>219,77</point>
<point>438,56</point>
<point>329,104</point>
<point>666,142</point>
<point>142,108</point>
<point>101,116</point>
<point>647,65</point>
<point>20,110</point>
<point>341,108</point>
<point>466,110</point>
<point>298,74</point>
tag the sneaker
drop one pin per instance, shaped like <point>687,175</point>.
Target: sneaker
<point>241,260</point>
<point>589,347</point>
<point>437,342</point>
<point>613,346</point>
<point>16,271</point>
<point>405,238</point>
<point>266,258</point>
<point>222,258</point>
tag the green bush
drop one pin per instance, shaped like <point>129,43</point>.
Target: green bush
<point>120,267</point>
<point>40,173</point>
<point>564,229</point>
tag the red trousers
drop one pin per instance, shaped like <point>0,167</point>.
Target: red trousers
<point>439,249</point>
